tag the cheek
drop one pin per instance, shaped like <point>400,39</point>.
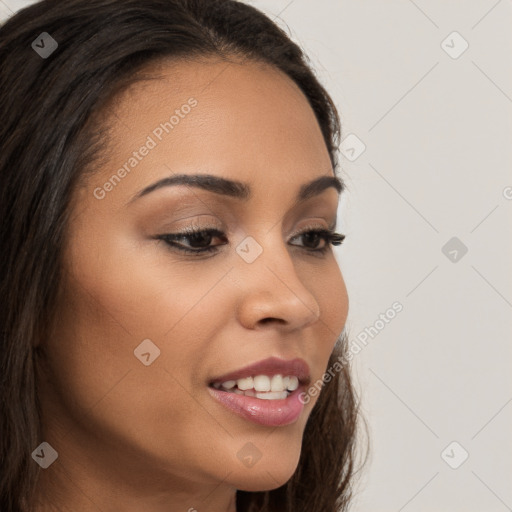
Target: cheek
<point>145,292</point>
<point>335,292</point>
<point>112,301</point>
<point>328,287</point>
<point>117,300</point>
<point>107,389</point>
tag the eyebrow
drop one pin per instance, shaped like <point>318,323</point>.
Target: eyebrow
<point>238,189</point>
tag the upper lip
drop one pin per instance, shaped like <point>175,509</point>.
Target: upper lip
<point>270,366</point>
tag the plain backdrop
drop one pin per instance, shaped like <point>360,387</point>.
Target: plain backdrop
<point>424,89</point>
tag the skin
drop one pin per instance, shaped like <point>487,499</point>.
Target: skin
<point>133,437</point>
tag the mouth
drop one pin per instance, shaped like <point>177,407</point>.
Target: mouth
<point>268,393</point>
<point>270,379</point>
<point>264,387</point>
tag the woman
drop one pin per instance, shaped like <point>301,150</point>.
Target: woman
<point>170,298</point>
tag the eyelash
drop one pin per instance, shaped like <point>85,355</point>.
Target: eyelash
<point>328,235</point>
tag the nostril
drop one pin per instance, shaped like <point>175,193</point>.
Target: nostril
<point>271,319</point>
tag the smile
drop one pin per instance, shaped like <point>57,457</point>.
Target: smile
<point>266,393</point>
<point>265,387</point>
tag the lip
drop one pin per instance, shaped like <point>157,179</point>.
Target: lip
<point>270,366</point>
<point>270,413</point>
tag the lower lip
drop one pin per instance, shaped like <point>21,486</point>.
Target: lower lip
<point>271,413</point>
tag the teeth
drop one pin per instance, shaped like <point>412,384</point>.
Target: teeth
<point>262,383</point>
<point>294,383</point>
<point>267,385</point>
<point>277,384</point>
<point>246,383</point>
<point>272,395</point>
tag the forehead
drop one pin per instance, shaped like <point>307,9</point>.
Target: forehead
<point>243,120</point>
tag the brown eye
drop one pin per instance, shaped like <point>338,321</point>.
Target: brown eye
<point>198,240</point>
<point>314,236</point>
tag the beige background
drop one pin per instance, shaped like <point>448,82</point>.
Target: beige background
<point>436,165</point>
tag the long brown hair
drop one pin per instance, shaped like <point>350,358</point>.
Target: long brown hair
<point>48,140</point>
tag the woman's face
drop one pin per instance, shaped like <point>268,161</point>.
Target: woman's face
<point>142,329</point>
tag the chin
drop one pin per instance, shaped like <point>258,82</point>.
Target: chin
<point>267,474</point>
<point>261,482</point>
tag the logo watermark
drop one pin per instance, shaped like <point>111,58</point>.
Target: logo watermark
<point>354,348</point>
<point>158,133</point>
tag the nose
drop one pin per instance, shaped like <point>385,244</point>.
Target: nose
<point>273,292</point>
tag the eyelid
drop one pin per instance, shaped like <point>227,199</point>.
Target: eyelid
<point>312,225</point>
<point>194,227</point>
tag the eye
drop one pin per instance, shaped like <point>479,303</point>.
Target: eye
<point>199,240</point>
<point>312,237</point>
